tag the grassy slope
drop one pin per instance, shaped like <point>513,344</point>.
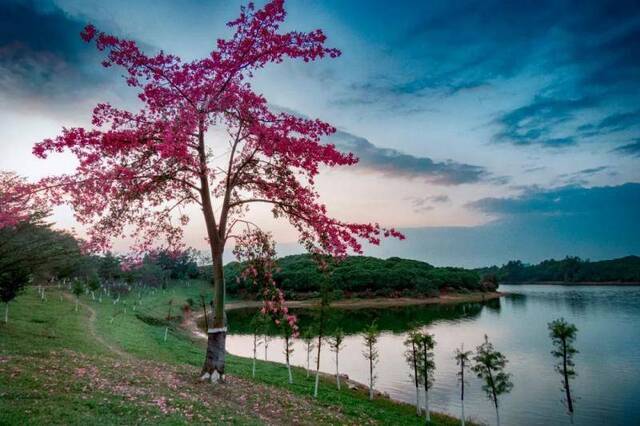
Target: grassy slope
<point>54,370</point>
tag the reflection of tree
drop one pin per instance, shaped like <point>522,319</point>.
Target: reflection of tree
<point>354,321</point>
<point>516,301</point>
<point>493,305</point>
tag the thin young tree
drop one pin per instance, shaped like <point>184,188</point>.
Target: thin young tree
<point>427,365</point>
<point>77,289</point>
<point>138,170</point>
<point>169,317</point>
<point>307,338</point>
<point>288,332</point>
<point>256,328</point>
<point>411,355</point>
<point>93,283</point>
<point>325,300</point>
<point>489,365</point>
<point>463,359</point>
<point>563,336</point>
<point>335,343</point>
<point>370,337</point>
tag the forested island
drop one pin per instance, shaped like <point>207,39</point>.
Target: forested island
<point>624,270</point>
<point>362,276</point>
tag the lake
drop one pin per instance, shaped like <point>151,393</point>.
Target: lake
<point>607,386</point>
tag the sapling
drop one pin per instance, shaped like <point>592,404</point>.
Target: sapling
<point>426,363</point>
<point>166,329</point>
<point>307,338</point>
<point>287,332</point>
<point>462,360</point>
<point>563,335</point>
<point>77,289</point>
<point>335,343</point>
<point>411,355</point>
<point>94,284</point>
<point>489,366</point>
<point>266,339</point>
<point>256,327</point>
<point>325,300</point>
<point>370,337</point>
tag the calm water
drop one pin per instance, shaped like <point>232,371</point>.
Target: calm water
<point>608,365</point>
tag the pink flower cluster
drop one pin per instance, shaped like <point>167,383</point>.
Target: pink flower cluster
<point>137,171</point>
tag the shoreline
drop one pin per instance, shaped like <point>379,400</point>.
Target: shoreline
<point>190,323</point>
<point>382,302</point>
<point>580,283</point>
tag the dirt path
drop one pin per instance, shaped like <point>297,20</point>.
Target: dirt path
<point>91,326</point>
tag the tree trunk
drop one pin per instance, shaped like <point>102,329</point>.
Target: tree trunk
<point>462,418</point>
<point>370,372</point>
<point>166,331</point>
<point>255,348</point>
<point>287,349</point>
<point>6,313</point>
<point>308,356</point>
<point>417,400</point>
<point>77,303</point>
<point>566,376</point>
<point>289,369</point>
<point>213,367</point>
<point>320,334</point>
<point>497,416</point>
<point>427,414</point>
<point>337,370</point>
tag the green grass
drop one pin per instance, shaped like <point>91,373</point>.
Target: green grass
<point>46,330</point>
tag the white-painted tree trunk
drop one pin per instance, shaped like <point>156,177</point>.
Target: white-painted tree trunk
<point>427,414</point>
<point>290,375</point>
<point>497,416</point>
<point>462,417</point>
<point>166,331</point>
<point>371,387</point>
<point>315,389</point>
<point>308,364</point>
<point>76,304</point>
<point>337,372</point>
<point>266,347</point>
<point>253,369</point>
<point>6,313</point>
<point>417,400</point>
<point>93,295</point>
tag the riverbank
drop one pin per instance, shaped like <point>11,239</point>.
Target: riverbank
<point>110,364</point>
<point>382,302</point>
<point>581,283</point>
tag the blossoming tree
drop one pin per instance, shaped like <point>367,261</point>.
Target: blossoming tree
<point>137,170</point>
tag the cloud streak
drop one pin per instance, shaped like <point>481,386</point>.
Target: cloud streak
<point>395,163</point>
<point>565,201</point>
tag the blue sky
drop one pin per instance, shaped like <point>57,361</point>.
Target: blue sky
<point>487,130</point>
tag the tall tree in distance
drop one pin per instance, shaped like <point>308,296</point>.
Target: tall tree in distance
<point>463,359</point>
<point>489,366</point>
<point>563,336</point>
<point>139,170</point>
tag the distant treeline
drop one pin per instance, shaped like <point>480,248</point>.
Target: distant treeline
<point>567,270</point>
<point>298,276</point>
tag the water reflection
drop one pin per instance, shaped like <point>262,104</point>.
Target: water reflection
<point>608,381</point>
<point>353,321</point>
